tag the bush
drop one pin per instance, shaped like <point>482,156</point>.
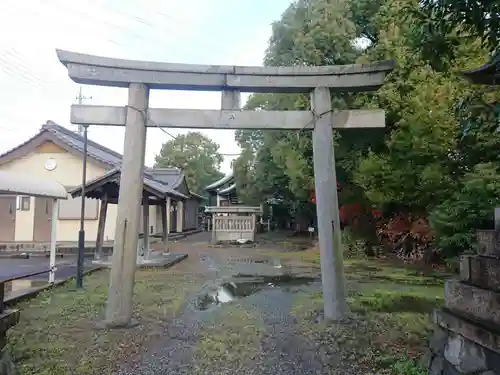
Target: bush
<point>407,236</point>
<point>354,247</point>
<point>454,222</point>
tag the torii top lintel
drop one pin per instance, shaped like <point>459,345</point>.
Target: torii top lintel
<point>105,71</point>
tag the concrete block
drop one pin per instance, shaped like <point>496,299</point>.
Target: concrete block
<point>436,367</point>
<point>448,369</point>
<point>481,335</point>
<point>472,301</point>
<point>426,360</point>
<point>488,243</point>
<point>481,271</point>
<point>465,268</point>
<point>438,339</point>
<point>464,355</point>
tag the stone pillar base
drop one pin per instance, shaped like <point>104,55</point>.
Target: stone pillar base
<point>466,340</point>
<point>457,347</point>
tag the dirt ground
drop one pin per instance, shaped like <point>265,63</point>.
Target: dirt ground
<point>227,310</point>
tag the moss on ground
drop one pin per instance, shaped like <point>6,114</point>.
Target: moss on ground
<point>55,335</point>
<point>391,307</point>
<point>231,337</point>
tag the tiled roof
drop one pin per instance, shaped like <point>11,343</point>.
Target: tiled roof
<point>165,179</point>
<point>169,176</point>
<point>487,74</point>
<point>114,175</point>
<point>75,140</point>
<point>230,189</point>
<point>217,184</point>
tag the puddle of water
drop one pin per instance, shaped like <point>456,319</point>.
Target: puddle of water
<point>245,285</point>
<point>276,263</point>
<point>209,262</point>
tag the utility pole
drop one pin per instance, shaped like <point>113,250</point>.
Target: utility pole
<point>80,99</point>
<point>81,234</point>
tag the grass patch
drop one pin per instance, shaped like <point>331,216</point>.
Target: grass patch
<point>392,305</point>
<point>308,257</point>
<point>55,335</point>
<point>231,337</point>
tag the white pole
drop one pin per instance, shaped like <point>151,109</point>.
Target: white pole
<point>53,240</point>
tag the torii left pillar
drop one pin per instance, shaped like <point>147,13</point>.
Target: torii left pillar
<point>121,284</point>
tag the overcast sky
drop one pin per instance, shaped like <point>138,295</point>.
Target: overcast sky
<point>34,86</point>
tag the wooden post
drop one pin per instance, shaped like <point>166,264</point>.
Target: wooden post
<point>169,213</point>
<point>145,224</point>
<point>164,224</point>
<point>53,241</point>
<point>254,226</point>
<point>213,229</point>
<point>330,246</point>
<point>180,217</point>
<point>121,285</point>
<point>497,218</point>
<point>101,227</point>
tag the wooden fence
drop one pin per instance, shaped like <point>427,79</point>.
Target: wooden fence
<point>233,228</point>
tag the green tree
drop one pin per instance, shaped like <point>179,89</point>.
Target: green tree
<point>470,207</point>
<point>440,130</point>
<point>441,25</point>
<point>432,140</point>
<point>279,163</point>
<point>197,155</point>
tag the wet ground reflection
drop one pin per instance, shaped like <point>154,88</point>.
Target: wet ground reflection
<point>243,286</point>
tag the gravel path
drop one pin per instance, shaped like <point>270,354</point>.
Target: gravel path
<point>280,349</point>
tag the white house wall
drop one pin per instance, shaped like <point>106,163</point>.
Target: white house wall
<point>68,172</point>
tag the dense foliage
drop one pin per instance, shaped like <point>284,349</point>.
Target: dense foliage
<point>441,25</point>
<point>441,137</point>
<point>197,155</point>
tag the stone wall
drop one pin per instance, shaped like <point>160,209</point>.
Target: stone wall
<point>466,340</point>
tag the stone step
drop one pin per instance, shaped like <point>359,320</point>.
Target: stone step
<point>486,336</point>
<point>469,300</point>
<point>481,271</point>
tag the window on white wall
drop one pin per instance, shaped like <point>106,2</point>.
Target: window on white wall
<point>23,203</point>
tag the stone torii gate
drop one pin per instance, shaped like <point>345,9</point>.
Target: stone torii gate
<point>141,76</point>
